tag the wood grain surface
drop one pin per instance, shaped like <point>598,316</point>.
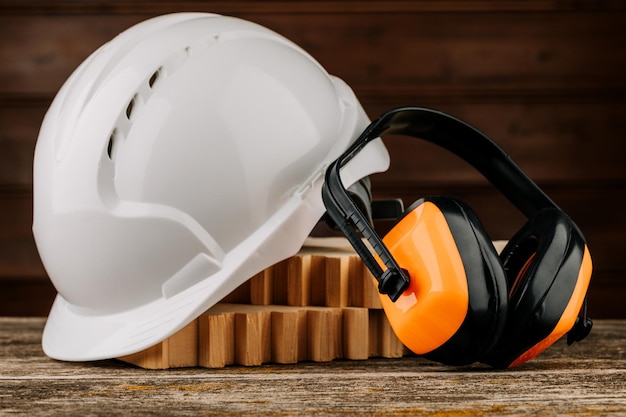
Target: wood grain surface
<point>588,378</point>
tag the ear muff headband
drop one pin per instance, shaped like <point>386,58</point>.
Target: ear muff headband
<point>443,130</point>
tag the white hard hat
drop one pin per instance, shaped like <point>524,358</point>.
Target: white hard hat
<point>176,162</point>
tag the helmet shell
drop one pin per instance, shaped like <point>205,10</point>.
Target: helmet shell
<point>177,161</point>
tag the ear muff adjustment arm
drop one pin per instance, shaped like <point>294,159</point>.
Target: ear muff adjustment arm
<point>392,281</point>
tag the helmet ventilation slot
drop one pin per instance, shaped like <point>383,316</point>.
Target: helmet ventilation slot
<point>155,77</point>
<point>111,145</point>
<point>140,97</point>
<point>131,106</point>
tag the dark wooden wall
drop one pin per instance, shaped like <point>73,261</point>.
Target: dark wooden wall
<point>545,79</point>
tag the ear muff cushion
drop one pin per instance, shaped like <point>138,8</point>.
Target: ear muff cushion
<point>486,283</point>
<point>543,265</point>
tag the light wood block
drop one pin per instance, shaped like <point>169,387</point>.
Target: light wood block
<point>303,334</point>
<point>292,281</point>
<point>373,325</point>
<point>280,282</point>
<point>355,333</point>
<point>330,268</point>
<point>299,280</point>
<point>324,334</point>
<point>336,281</point>
<point>241,295</point>
<point>252,330</point>
<point>177,351</point>
<point>390,345</point>
<point>183,347</point>
<point>278,335</point>
<point>383,341</point>
<point>151,358</point>
<point>252,338</point>
<point>289,333</point>
<point>262,287</point>
<point>216,340</point>
<point>362,285</point>
<point>285,336</point>
<point>317,289</point>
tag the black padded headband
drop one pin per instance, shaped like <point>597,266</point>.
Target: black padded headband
<point>443,130</point>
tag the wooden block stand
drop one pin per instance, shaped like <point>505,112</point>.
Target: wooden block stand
<point>319,305</point>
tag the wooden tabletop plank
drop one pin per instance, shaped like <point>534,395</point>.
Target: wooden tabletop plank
<point>587,378</point>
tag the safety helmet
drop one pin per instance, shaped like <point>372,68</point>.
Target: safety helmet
<point>177,161</point>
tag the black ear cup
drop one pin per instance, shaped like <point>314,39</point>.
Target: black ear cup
<point>542,263</point>
<point>486,283</point>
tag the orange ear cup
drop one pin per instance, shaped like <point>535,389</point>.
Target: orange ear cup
<point>453,309</point>
<point>570,314</point>
<point>548,268</point>
<point>434,306</point>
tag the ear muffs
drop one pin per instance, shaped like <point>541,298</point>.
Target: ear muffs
<point>455,306</point>
<point>449,297</point>
<point>548,268</point>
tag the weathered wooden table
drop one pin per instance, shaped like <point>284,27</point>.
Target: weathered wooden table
<point>588,378</point>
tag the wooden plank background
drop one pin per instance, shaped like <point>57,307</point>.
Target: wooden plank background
<point>545,79</point>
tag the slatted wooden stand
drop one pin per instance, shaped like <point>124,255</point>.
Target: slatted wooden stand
<point>319,305</point>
